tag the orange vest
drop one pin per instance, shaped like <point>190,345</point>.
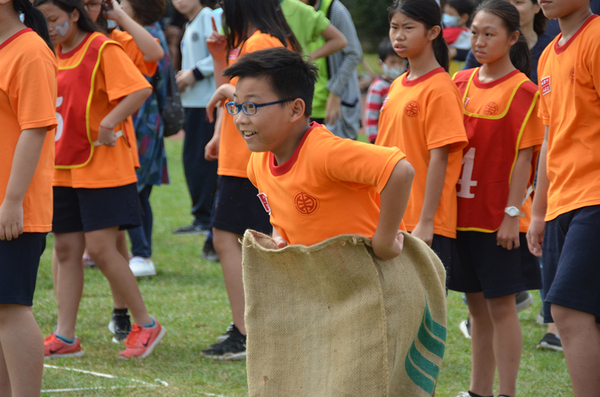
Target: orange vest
<point>74,146</point>
<point>489,158</point>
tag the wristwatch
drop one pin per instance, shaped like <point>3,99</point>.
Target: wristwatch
<point>513,211</point>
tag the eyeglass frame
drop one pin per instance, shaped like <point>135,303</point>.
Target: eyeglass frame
<point>91,3</point>
<point>256,105</point>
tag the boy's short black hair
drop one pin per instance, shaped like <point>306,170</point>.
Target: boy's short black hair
<point>289,74</point>
<point>462,6</point>
<point>385,49</point>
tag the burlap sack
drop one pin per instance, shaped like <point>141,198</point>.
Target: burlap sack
<point>334,320</point>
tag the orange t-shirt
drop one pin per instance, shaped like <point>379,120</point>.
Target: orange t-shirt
<point>418,116</point>
<point>570,106</point>
<point>116,78</point>
<point>134,52</point>
<point>233,152</point>
<point>492,101</point>
<point>27,101</point>
<point>330,186</point>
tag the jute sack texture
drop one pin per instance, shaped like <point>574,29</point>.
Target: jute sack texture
<point>334,320</point>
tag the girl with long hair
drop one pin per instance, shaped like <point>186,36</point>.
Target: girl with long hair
<point>494,203</point>
<point>422,116</point>
<point>95,193</point>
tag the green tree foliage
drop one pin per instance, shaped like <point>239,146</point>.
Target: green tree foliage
<point>371,20</point>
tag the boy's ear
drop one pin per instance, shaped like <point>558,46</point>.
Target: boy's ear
<point>297,110</point>
<point>464,18</point>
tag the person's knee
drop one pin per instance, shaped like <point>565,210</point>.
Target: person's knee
<point>65,250</point>
<point>571,321</point>
<point>224,240</point>
<point>502,307</point>
<point>9,313</point>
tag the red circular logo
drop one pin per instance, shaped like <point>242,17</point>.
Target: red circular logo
<point>491,109</point>
<point>412,109</point>
<point>573,76</point>
<point>305,203</point>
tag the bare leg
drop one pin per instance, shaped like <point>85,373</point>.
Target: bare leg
<point>54,270</point>
<point>580,337</point>
<point>102,247</point>
<point>69,249</point>
<point>483,365</point>
<point>118,302</point>
<point>21,351</point>
<point>508,342</point>
<point>552,329</point>
<point>230,252</point>
<point>4,379</point>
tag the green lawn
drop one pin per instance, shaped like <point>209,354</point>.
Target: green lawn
<point>189,298</point>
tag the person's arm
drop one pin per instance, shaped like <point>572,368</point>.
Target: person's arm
<point>334,42</point>
<point>535,233</point>
<point>387,242</point>
<point>126,107</point>
<point>150,48</point>
<point>351,56</point>
<point>508,234</point>
<point>211,150</point>
<point>434,186</point>
<point>217,46</point>
<point>25,160</point>
<point>204,67</point>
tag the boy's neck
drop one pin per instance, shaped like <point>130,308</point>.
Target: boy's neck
<point>285,152</point>
<point>193,13</point>
<point>570,24</point>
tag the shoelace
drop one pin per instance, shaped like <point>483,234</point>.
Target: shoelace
<point>133,336</point>
<point>50,338</point>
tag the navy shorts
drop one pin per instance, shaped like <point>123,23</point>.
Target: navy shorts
<point>237,207</point>
<point>571,257</point>
<point>485,266</point>
<point>445,249</point>
<point>19,262</point>
<point>86,210</point>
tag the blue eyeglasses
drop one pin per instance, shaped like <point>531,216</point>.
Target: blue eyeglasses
<point>249,108</point>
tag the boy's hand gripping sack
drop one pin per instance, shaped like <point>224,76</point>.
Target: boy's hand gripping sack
<point>334,320</point>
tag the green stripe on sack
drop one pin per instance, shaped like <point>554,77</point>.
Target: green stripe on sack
<point>417,376</point>
<point>428,330</point>
<point>415,362</point>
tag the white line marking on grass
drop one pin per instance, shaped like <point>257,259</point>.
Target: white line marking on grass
<point>101,375</point>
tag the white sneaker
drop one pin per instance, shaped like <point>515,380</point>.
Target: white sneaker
<point>141,267</point>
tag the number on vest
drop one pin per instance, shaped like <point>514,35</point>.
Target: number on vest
<point>465,181</point>
<point>59,119</point>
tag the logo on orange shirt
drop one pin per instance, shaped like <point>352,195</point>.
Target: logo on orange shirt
<point>491,109</point>
<point>412,109</point>
<point>265,202</point>
<point>305,203</point>
<point>545,83</point>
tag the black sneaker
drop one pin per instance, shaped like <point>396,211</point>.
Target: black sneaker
<point>221,338</point>
<point>233,348</point>
<point>191,229</point>
<point>550,342</point>
<point>209,253</point>
<point>120,326</point>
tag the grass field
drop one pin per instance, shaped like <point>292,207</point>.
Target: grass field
<point>188,297</point>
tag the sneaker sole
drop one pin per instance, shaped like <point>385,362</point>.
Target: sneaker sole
<point>228,356</point>
<point>463,329</point>
<point>547,346</point>
<point>76,354</point>
<point>145,274</point>
<point>222,338</point>
<point>525,304</point>
<point>150,348</point>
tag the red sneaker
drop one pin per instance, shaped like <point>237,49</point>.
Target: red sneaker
<point>55,347</point>
<point>142,340</point>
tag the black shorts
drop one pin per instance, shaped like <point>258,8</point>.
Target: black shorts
<point>86,210</point>
<point>485,266</point>
<point>237,207</point>
<point>445,249</point>
<point>19,262</point>
<point>571,257</point>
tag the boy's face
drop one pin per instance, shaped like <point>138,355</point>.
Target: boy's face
<point>394,61</point>
<point>266,130</point>
<point>561,8</point>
